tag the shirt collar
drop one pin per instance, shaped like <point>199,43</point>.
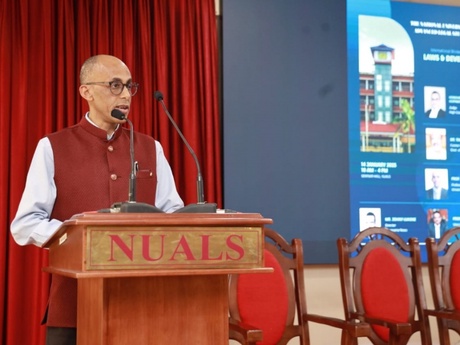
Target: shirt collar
<point>109,136</point>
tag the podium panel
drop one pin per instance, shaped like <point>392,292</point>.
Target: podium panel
<point>153,310</point>
<point>155,278</point>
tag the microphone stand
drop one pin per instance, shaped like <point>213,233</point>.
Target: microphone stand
<point>131,206</point>
<point>132,177</point>
<point>201,206</point>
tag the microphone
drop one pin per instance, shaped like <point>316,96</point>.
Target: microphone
<point>131,206</point>
<point>132,179</point>
<point>201,206</point>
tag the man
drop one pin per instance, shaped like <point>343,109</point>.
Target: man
<point>435,112</point>
<point>437,225</point>
<point>437,192</point>
<point>436,148</point>
<point>87,167</point>
<point>369,221</point>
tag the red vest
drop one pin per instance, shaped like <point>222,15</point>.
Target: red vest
<point>92,173</point>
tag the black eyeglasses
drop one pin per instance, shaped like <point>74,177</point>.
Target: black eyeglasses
<point>116,86</point>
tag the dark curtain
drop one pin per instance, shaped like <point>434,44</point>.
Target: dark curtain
<point>169,45</point>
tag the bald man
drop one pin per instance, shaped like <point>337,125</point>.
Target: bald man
<point>87,167</point>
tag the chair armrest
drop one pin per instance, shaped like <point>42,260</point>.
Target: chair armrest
<point>444,313</point>
<point>395,327</point>
<point>244,333</point>
<point>355,328</point>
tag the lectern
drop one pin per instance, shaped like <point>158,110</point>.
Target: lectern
<point>155,278</point>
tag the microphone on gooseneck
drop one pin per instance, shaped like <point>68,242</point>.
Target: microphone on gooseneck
<point>131,206</point>
<point>201,206</point>
<point>132,178</point>
<point>200,190</point>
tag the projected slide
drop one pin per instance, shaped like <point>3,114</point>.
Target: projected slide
<point>404,116</point>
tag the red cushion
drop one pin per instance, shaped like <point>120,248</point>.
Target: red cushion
<point>384,290</point>
<point>263,301</point>
<point>455,279</point>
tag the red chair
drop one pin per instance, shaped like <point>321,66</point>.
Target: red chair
<point>270,308</point>
<point>444,268</point>
<point>382,285</point>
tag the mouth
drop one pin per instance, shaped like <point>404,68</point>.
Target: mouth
<point>123,108</point>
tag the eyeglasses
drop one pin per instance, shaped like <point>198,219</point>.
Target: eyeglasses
<point>116,86</point>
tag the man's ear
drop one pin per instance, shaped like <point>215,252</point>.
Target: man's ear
<point>85,92</point>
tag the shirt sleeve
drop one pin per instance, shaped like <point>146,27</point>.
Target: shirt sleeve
<point>167,198</point>
<point>32,223</point>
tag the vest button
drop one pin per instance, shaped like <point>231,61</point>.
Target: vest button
<point>110,148</point>
<point>113,177</point>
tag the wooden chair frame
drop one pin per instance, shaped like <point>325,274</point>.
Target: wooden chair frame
<point>290,256</point>
<point>440,256</point>
<point>352,258</point>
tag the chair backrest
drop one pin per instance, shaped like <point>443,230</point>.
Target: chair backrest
<point>444,269</point>
<point>382,284</point>
<point>273,302</point>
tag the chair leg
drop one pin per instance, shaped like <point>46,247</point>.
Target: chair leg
<point>444,338</point>
<point>443,330</point>
<point>347,339</point>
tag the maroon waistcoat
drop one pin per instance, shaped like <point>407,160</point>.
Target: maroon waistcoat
<point>92,173</point>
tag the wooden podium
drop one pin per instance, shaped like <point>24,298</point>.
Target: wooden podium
<point>155,278</point>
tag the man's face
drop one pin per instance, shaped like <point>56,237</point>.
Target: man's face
<point>436,140</point>
<point>103,100</point>
<point>437,218</point>
<point>436,180</point>
<point>435,100</point>
<point>370,220</point>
